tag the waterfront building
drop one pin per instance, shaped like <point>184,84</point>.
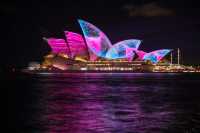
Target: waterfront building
<point>93,51</point>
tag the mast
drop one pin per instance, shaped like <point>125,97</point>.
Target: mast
<point>171,58</point>
<point>178,56</point>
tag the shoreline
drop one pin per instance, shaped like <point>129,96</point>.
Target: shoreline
<point>94,71</point>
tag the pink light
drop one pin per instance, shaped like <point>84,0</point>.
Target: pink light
<point>130,53</point>
<point>96,43</point>
<point>76,44</point>
<point>159,58</point>
<point>140,54</point>
<point>58,45</point>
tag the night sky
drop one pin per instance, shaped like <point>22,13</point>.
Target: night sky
<point>160,24</point>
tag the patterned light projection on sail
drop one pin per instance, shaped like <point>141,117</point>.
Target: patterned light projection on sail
<point>156,56</point>
<point>97,42</point>
<point>76,44</point>
<point>140,54</point>
<point>130,53</point>
<point>123,49</point>
<point>58,45</point>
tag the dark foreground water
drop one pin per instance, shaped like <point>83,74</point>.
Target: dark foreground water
<point>104,103</point>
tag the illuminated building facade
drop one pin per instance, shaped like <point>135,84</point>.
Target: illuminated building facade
<point>94,51</point>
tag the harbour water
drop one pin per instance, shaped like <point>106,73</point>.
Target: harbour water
<point>104,103</point>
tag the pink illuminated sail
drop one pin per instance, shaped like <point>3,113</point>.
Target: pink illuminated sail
<point>140,54</point>
<point>58,45</point>
<point>76,44</point>
<point>130,53</point>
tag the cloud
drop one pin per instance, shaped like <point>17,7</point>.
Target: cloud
<point>148,10</point>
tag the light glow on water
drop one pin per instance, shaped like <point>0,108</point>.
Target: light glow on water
<point>112,102</point>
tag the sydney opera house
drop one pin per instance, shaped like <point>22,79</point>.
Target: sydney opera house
<point>94,51</point>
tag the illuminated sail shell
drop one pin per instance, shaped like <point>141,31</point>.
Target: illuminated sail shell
<point>140,54</point>
<point>123,49</point>
<point>58,45</point>
<point>76,44</point>
<point>156,56</point>
<point>97,42</point>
